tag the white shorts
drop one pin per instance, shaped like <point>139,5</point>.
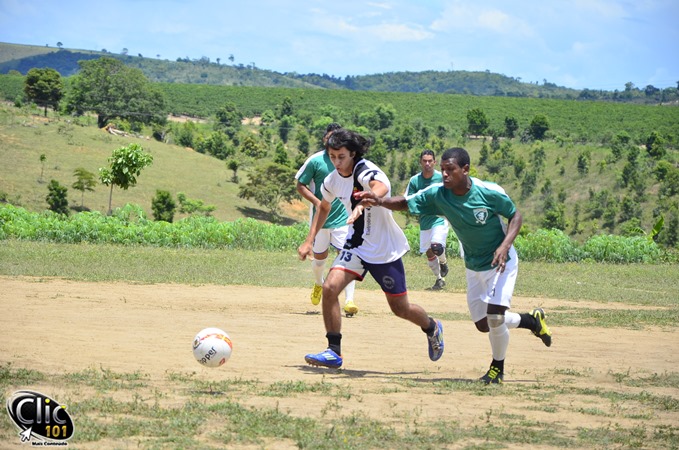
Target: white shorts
<point>330,236</point>
<point>437,235</point>
<point>491,287</point>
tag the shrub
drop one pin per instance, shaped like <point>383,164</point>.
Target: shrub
<point>619,249</point>
<point>547,245</point>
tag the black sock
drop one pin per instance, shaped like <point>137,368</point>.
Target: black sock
<point>528,321</point>
<point>500,365</point>
<point>335,342</point>
<point>432,327</point>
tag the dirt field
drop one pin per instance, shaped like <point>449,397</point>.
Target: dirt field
<point>57,326</point>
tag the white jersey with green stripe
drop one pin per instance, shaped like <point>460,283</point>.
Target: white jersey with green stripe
<point>416,184</point>
<point>476,217</point>
<point>311,174</point>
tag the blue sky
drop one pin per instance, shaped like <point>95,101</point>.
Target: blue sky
<point>596,44</point>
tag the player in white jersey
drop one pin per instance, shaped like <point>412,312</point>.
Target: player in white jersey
<point>475,209</point>
<point>375,244</point>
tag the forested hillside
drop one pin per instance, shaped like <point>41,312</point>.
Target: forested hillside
<point>203,70</point>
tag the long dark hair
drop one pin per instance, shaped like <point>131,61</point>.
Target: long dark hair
<point>353,142</point>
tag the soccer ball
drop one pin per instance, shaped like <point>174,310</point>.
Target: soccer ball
<point>212,347</point>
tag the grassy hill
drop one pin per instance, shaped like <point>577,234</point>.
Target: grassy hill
<point>14,52</point>
<point>25,136</point>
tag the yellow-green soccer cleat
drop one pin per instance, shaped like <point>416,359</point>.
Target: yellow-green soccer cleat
<point>350,309</point>
<point>316,294</point>
<point>542,330</point>
<point>493,376</point>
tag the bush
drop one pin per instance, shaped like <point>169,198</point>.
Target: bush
<point>547,245</point>
<point>619,249</point>
<point>129,226</point>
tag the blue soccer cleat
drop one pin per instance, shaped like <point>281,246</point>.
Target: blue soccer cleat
<point>436,342</point>
<point>326,358</point>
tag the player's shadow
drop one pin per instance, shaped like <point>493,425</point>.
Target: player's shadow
<point>352,373</point>
<point>465,380</point>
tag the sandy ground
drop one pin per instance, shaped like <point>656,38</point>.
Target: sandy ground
<point>60,326</point>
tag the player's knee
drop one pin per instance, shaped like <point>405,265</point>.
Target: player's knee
<point>496,320</point>
<point>398,309</point>
<point>437,248</point>
<point>482,325</point>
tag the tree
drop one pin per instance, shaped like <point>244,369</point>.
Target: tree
<point>125,165</point>
<point>385,115</point>
<point>511,125</point>
<point>281,155</point>
<point>43,158</point>
<point>555,214</point>
<point>113,90</point>
<point>44,87</point>
<point>250,146</point>
<point>229,119</point>
<point>191,206</point>
<point>477,122</point>
<point>217,145</point>
<point>233,165</point>
<point>59,44</point>
<point>286,108</point>
<point>163,206</point>
<point>85,181</point>
<point>285,126</point>
<point>655,145</point>
<point>584,161</point>
<point>269,185</point>
<point>538,127</point>
<point>56,197</point>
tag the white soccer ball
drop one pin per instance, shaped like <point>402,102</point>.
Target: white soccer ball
<point>212,347</point>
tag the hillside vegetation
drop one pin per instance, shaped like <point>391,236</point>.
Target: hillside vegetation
<point>207,71</point>
<point>583,167</point>
<point>68,145</point>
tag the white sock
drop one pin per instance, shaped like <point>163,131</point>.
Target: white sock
<point>434,266</point>
<point>442,258</point>
<point>349,291</point>
<point>318,267</point>
<point>512,319</point>
<point>499,341</point>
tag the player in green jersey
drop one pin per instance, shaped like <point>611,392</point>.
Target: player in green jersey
<point>477,211</point>
<point>433,229</point>
<point>334,231</point>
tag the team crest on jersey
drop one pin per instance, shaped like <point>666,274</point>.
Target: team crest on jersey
<point>481,215</point>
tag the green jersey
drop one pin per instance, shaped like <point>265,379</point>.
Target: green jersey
<point>416,184</point>
<point>311,174</point>
<point>476,217</point>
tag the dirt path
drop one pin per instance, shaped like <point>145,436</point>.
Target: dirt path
<point>59,326</point>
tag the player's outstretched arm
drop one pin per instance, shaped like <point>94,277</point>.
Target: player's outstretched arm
<point>369,199</point>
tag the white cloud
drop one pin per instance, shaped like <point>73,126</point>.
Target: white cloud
<point>398,33</point>
<point>477,18</point>
<point>606,9</point>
